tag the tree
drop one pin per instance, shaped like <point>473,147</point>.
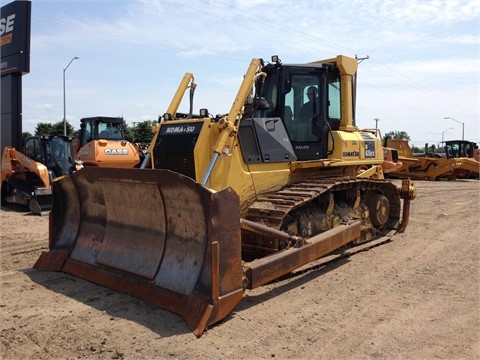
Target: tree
<point>25,135</point>
<point>142,132</point>
<point>417,150</point>
<point>54,129</point>
<point>397,135</point>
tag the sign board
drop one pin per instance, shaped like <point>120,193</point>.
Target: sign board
<point>15,37</point>
<point>15,62</point>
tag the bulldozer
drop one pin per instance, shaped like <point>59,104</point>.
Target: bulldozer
<point>227,203</point>
<point>102,143</point>
<point>26,177</point>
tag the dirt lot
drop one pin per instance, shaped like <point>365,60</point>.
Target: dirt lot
<point>417,297</point>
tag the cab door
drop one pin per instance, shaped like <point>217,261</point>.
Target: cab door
<point>298,95</point>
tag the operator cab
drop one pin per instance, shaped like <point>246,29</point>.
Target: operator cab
<point>459,148</point>
<point>307,99</point>
<point>101,127</point>
<point>55,152</point>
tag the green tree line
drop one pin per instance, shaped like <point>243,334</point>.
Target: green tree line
<point>402,135</point>
<point>141,132</point>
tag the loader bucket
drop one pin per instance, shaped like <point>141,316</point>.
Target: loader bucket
<point>41,202</point>
<point>153,234</point>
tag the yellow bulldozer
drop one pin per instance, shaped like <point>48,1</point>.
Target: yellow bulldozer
<point>230,202</point>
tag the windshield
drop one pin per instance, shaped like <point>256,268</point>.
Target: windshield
<point>110,131</point>
<point>458,149</point>
<point>60,156</point>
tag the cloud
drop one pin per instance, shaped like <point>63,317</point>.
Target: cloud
<point>40,106</point>
<point>460,39</point>
<point>422,53</point>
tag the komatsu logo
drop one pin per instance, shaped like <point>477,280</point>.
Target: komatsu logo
<point>116,151</point>
<point>351,154</point>
<point>181,129</point>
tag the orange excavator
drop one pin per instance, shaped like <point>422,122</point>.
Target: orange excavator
<point>228,203</point>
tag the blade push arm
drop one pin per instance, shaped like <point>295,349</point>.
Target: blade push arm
<point>230,123</point>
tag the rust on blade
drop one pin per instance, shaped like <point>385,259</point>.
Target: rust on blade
<point>51,261</point>
<point>154,234</point>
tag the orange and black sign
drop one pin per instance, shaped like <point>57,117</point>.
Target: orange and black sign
<point>15,37</point>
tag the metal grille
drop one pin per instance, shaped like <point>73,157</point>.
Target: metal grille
<point>176,153</point>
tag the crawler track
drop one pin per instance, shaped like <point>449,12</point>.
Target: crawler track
<point>307,201</point>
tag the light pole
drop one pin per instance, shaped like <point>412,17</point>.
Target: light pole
<point>64,106</point>
<point>463,126</point>
<point>443,132</point>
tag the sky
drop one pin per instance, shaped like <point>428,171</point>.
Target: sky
<point>423,57</point>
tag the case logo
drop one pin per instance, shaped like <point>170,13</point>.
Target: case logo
<point>116,151</point>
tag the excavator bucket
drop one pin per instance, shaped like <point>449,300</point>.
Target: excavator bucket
<point>153,234</point>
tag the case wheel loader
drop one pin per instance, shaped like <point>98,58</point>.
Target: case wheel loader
<point>102,143</point>
<point>26,177</point>
<point>227,203</point>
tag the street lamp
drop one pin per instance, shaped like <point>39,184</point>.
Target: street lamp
<point>443,132</point>
<point>463,126</point>
<point>64,106</point>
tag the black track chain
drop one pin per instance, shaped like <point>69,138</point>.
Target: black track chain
<point>272,209</point>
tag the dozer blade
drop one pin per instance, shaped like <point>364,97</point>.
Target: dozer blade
<point>153,234</point>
